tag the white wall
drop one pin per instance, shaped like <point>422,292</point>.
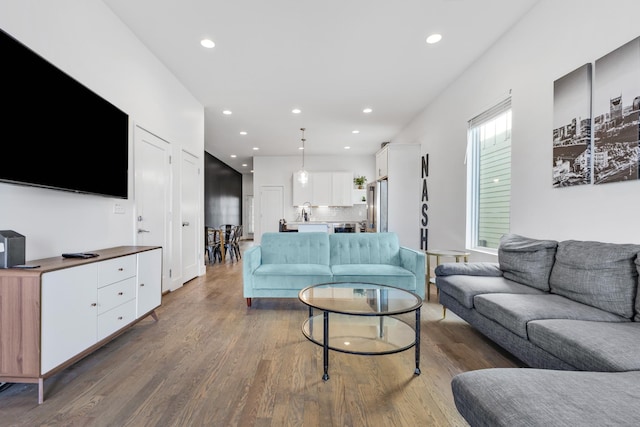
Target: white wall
<point>278,171</point>
<point>87,41</point>
<point>553,39</point>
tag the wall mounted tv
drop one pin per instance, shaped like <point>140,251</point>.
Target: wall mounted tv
<point>55,132</point>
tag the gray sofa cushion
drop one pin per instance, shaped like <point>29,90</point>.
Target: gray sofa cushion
<point>590,346</point>
<point>514,311</point>
<point>516,397</point>
<point>527,261</point>
<point>469,269</point>
<point>599,274</point>
<point>463,288</point>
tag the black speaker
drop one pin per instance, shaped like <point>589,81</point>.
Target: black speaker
<point>12,247</point>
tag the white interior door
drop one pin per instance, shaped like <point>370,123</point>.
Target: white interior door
<point>192,246</point>
<point>271,207</point>
<point>152,195</point>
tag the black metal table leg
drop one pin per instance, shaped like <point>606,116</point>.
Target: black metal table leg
<point>325,346</point>
<point>417,371</point>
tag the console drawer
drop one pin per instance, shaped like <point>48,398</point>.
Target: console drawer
<point>116,294</point>
<point>116,319</point>
<point>116,269</point>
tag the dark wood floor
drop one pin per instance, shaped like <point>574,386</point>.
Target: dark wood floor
<point>211,361</point>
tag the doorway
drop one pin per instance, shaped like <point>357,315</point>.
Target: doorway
<point>152,195</point>
<point>271,208</point>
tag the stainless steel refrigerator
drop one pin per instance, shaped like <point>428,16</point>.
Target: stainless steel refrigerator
<point>377,211</point>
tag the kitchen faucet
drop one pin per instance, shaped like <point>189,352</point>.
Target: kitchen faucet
<point>306,211</point>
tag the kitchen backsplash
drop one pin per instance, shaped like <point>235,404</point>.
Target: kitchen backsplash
<point>329,214</point>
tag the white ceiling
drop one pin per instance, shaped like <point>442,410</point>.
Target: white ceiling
<point>330,58</point>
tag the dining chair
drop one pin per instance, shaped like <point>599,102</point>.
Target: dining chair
<point>213,247</point>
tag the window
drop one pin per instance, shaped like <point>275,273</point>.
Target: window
<point>489,177</point>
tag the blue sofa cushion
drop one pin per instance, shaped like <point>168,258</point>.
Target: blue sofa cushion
<point>590,346</point>
<point>514,311</point>
<point>289,248</point>
<point>381,274</point>
<point>527,261</point>
<point>365,248</point>
<point>291,276</point>
<point>599,274</point>
<point>463,288</point>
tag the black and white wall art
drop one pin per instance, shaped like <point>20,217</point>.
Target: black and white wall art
<point>616,104</point>
<point>572,128</point>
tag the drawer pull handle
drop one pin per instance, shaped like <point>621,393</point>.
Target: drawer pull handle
<point>93,304</point>
<point>141,284</point>
<point>120,269</point>
<point>120,318</point>
<point>120,293</point>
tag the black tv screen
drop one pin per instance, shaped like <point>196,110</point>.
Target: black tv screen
<point>55,132</point>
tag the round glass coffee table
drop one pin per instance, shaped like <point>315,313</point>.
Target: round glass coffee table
<point>360,318</point>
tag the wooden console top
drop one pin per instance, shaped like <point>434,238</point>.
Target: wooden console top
<point>58,263</point>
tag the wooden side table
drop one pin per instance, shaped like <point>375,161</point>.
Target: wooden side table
<point>440,254</point>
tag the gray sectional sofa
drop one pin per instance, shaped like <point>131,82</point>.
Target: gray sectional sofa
<point>570,310</point>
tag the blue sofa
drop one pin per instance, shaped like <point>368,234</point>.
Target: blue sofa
<point>285,263</point>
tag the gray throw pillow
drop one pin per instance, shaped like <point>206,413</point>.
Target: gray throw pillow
<point>602,275</point>
<point>527,261</point>
<point>636,318</point>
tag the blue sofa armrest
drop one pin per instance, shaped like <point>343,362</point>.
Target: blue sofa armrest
<point>414,261</point>
<point>251,260</point>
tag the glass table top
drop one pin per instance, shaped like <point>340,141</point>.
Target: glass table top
<point>361,299</point>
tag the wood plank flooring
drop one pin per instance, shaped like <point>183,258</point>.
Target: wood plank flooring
<point>211,361</point>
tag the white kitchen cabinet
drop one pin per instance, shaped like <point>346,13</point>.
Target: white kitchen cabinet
<point>382,163</point>
<point>322,189</point>
<point>67,308</point>
<point>302,193</point>
<point>342,189</point>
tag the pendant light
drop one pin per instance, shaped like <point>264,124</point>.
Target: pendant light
<point>302,175</point>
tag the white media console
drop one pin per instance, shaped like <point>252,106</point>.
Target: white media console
<point>56,314</point>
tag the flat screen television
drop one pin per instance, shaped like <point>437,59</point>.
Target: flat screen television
<point>56,133</point>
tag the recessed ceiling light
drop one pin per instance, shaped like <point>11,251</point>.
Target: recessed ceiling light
<point>296,111</point>
<point>367,110</point>
<point>209,44</point>
<point>227,112</point>
<point>300,148</point>
<point>233,156</point>
<point>244,165</point>
<point>251,170</point>
<point>243,133</point>
<point>347,148</point>
<point>255,148</point>
<point>434,38</point>
<point>355,131</point>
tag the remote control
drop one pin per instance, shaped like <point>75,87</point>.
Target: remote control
<point>25,266</point>
<point>79,255</point>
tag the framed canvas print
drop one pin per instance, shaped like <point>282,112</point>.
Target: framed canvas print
<point>616,104</point>
<point>572,128</point>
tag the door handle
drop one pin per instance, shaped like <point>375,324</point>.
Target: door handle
<point>185,224</point>
<point>140,230</point>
